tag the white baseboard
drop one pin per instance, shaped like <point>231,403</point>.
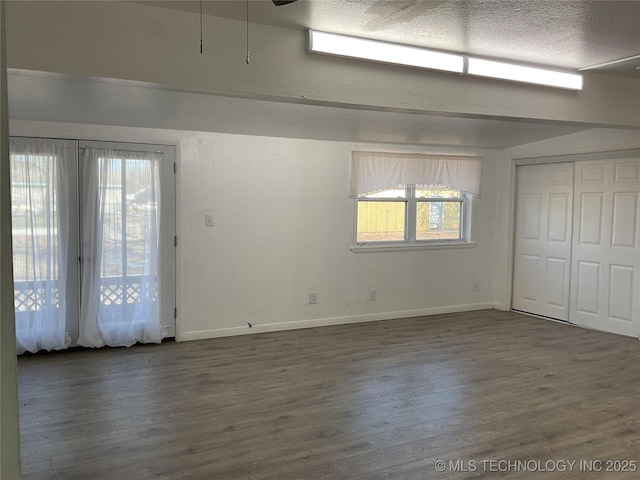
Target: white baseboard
<point>322,322</point>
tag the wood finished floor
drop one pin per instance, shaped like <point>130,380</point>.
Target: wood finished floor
<point>372,401</point>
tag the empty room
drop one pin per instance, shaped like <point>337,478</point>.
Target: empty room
<point>319,239</point>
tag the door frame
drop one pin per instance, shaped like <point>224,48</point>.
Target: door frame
<point>561,158</point>
<point>168,229</point>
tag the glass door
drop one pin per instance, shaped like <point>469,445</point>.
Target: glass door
<point>122,246</point>
<point>94,252</point>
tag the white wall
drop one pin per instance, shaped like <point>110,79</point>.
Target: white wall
<point>283,227</point>
<point>596,140</point>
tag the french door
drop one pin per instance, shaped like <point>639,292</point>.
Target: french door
<point>93,235</point>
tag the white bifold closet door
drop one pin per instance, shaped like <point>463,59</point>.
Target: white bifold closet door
<point>605,257</point>
<point>542,256</point>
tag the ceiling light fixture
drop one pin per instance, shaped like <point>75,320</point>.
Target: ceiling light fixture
<point>342,45</point>
<point>374,50</point>
<point>519,73</point>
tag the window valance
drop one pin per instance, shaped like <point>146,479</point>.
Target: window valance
<point>375,171</point>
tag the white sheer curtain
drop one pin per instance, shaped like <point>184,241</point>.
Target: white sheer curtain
<point>40,214</point>
<point>374,171</point>
<point>120,302</point>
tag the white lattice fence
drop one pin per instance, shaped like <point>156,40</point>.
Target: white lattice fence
<point>32,296</point>
<point>130,290</point>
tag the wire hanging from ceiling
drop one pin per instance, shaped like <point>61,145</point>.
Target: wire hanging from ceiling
<point>201,27</point>
<point>247,59</point>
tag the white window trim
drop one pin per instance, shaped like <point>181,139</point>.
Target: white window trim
<point>410,243</point>
<point>453,244</point>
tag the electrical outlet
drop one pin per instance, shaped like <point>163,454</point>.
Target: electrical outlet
<point>373,296</point>
<point>476,286</point>
<point>313,298</point>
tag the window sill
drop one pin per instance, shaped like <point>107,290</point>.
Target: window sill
<point>411,247</point>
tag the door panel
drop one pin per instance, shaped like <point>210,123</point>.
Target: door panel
<point>587,281</point>
<point>128,267</point>
<point>625,219</point>
<point>530,266</point>
<point>543,239</point>
<point>621,292</point>
<point>557,221</point>
<point>590,231</point>
<point>626,171</point>
<point>605,258</point>
<point>591,173</point>
<point>531,216</point>
<point>46,208</point>
<point>557,270</point>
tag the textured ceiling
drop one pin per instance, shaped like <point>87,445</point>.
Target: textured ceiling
<point>570,34</point>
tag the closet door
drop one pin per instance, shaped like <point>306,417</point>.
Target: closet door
<point>605,247</point>
<point>544,202</point>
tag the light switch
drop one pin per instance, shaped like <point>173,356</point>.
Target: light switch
<point>208,220</point>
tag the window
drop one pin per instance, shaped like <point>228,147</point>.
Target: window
<point>412,199</point>
<point>409,215</point>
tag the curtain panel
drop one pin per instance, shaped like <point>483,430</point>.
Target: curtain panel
<point>40,212</point>
<point>120,302</point>
<point>375,171</point>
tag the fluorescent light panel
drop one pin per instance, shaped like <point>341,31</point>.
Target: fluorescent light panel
<point>334,44</point>
<point>362,48</point>
<point>518,73</point>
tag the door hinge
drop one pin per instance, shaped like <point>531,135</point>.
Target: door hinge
<point>174,167</point>
<point>175,241</point>
<point>175,313</point>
